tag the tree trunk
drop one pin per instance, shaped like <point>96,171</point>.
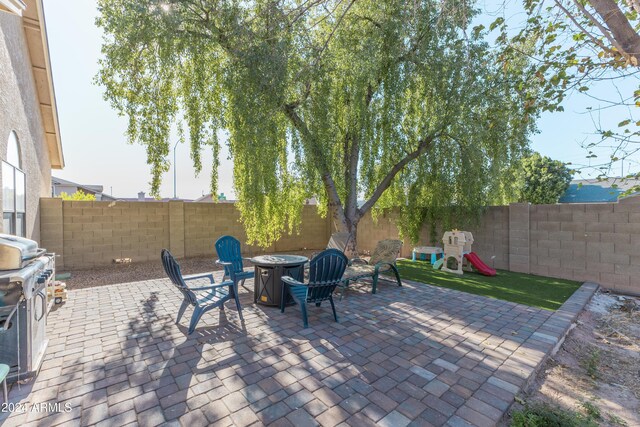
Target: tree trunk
<point>351,251</point>
<point>344,224</point>
<point>619,26</point>
<point>346,220</point>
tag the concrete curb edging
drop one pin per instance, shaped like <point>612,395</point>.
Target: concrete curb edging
<point>548,339</point>
<point>564,320</point>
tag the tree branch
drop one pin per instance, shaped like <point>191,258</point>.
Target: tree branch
<point>302,9</point>
<point>581,28</point>
<point>333,31</point>
<point>370,20</point>
<point>335,204</point>
<point>621,34</point>
<point>351,177</point>
<point>605,32</point>
<point>423,145</point>
<point>371,90</point>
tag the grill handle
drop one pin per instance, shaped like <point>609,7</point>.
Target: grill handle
<point>39,253</point>
<point>44,307</point>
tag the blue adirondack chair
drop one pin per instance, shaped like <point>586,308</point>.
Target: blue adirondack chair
<point>229,256</point>
<point>325,273</point>
<point>208,297</point>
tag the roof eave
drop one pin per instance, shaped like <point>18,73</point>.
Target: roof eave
<point>15,6</point>
<point>35,26</point>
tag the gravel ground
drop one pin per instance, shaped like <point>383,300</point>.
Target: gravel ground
<point>597,365</point>
<point>137,271</point>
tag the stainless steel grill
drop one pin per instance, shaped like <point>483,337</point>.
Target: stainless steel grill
<point>23,305</point>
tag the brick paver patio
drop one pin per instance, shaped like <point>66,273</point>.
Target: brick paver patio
<point>416,355</point>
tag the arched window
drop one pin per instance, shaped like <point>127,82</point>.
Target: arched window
<point>13,189</point>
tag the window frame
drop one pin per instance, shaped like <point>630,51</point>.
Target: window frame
<point>16,213</point>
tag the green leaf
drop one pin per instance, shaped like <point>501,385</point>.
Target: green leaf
<point>496,23</point>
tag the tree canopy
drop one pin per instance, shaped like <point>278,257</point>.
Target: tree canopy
<point>399,103</point>
<point>78,196</point>
<point>543,180</point>
<point>579,45</point>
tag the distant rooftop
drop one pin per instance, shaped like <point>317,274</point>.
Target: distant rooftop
<point>151,199</point>
<point>594,191</point>
<point>142,198</point>
<point>62,185</point>
<point>92,188</point>
<point>207,198</point>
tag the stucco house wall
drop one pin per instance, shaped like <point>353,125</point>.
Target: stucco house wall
<point>20,112</point>
<point>27,103</point>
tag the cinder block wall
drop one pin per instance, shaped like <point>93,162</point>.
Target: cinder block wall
<point>597,242</point>
<point>88,234</point>
<point>491,235</point>
<point>314,233</point>
<point>492,238</point>
<point>205,222</point>
<point>588,242</point>
<point>370,232</point>
<point>96,233</point>
<point>583,242</point>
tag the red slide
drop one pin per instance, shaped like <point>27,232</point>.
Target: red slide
<point>477,263</point>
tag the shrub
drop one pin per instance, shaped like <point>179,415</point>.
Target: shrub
<point>78,196</point>
<point>543,180</point>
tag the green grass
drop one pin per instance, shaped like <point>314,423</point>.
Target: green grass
<point>535,291</point>
<point>545,415</point>
<point>591,363</point>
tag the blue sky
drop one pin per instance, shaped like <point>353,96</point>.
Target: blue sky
<point>93,138</point>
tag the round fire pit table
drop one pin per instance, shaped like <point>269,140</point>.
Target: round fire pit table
<point>269,270</point>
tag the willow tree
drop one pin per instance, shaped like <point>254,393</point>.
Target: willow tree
<point>397,102</point>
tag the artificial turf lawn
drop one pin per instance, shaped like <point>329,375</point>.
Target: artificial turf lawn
<point>535,291</point>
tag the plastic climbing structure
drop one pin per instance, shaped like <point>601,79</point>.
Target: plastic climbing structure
<point>457,247</point>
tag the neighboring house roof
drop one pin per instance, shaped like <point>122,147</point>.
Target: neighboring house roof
<point>36,34</point>
<point>208,199</point>
<point>150,199</point>
<point>92,189</point>
<point>88,189</point>
<point>142,198</point>
<point>594,191</point>
<point>204,199</point>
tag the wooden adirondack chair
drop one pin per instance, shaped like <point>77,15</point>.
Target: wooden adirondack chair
<point>383,259</point>
<point>325,273</point>
<point>337,241</point>
<point>230,257</point>
<point>208,297</point>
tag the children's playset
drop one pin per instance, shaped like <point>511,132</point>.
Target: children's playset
<point>421,252</point>
<point>457,247</point>
<point>57,291</point>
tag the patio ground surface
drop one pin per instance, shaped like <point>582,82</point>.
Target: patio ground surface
<point>419,355</point>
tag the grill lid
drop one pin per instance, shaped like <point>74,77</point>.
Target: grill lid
<point>26,278</point>
<point>15,251</point>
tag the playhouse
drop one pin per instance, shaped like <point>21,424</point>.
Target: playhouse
<point>457,246</point>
